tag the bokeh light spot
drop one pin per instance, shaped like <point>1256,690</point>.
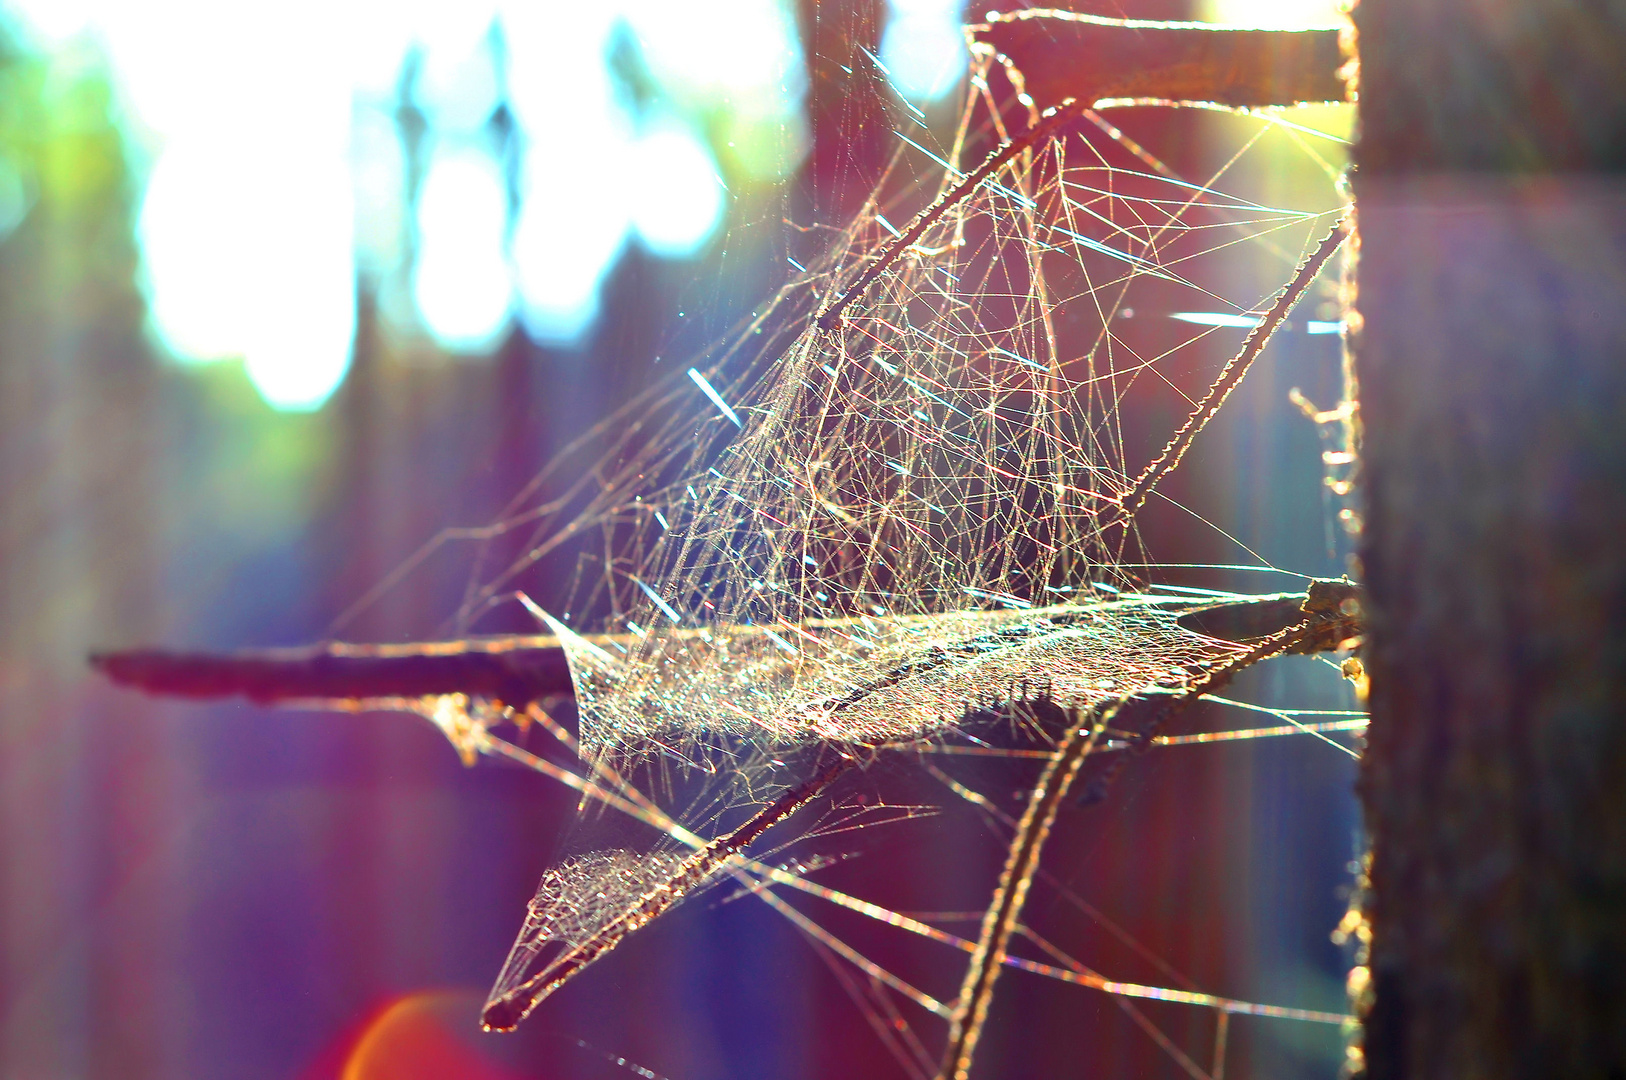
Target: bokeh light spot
<point>570,232</point>
<point>462,283</point>
<point>1271,14</point>
<point>923,48</point>
<point>457,83</point>
<point>740,60</point>
<point>293,89</point>
<point>420,1037</point>
<point>248,255</point>
<point>680,203</point>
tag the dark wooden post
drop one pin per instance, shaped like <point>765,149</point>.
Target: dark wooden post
<point>1490,351</point>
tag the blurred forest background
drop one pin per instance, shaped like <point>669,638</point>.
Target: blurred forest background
<point>287,289</point>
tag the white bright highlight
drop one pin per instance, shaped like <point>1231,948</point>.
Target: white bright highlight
<point>574,203</point>
<point>278,170</point>
<point>1272,14</point>
<point>680,202</point>
<point>246,225</point>
<point>248,255</point>
<point>923,47</point>
<point>739,61</point>
<point>462,284</point>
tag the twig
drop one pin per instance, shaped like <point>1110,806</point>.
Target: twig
<point>1329,614</point>
<point>1070,62</point>
<point>1065,54</point>
<point>1125,59</point>
<point>1332,615</point>
<point>505,1012</point>
<point>1132,500</point>
<point>511,670</point>
<point>977,990</point>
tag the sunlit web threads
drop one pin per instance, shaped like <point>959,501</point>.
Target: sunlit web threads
<point>851,539</point>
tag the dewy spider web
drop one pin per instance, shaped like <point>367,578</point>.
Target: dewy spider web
<point>900,524</point>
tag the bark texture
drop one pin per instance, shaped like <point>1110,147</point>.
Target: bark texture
<point>1067,55</point>
<point>1490,350</point>
<point>519,670</point>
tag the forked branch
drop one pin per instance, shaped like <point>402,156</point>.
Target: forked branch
<point>1070,63</point>
<point>1330,615</point>
<point>514,671</point>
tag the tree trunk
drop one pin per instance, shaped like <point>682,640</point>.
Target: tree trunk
<point>1489,343</point>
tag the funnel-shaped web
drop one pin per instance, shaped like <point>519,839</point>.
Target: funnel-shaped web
<point>905,524</point>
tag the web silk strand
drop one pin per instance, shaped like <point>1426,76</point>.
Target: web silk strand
<point>1233,372</point>
<point>830,318</point>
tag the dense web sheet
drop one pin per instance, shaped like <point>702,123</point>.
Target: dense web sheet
<point>890,518</point>
<point>873,681</point>
<point>933,455</point>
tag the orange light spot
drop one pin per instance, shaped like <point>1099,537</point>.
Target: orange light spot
<point>418,1038</point>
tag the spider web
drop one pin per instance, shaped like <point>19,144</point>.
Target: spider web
<point>886,522</point>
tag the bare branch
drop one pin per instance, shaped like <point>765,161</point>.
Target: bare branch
<point>519,670</point>
<point>1066,55</point>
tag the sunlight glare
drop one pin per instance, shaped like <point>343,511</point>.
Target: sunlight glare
<point>741,59</point>
<point>303,325</point>
<point>378,169</point>
<point>1271,14</point>
<point>542,71</point>
<point>48,22</point>
<point>249,255</point>
<point>923,47</point>
<point>241,117</point>
<point>462,283</point>
<point>568,237</point>
<point>573,217</point>
<point>680,203</point>
<point>457,84</point>
<point>195,237</point>
<point>246,224</point>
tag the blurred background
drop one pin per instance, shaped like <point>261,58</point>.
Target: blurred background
<point>287,289</point>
